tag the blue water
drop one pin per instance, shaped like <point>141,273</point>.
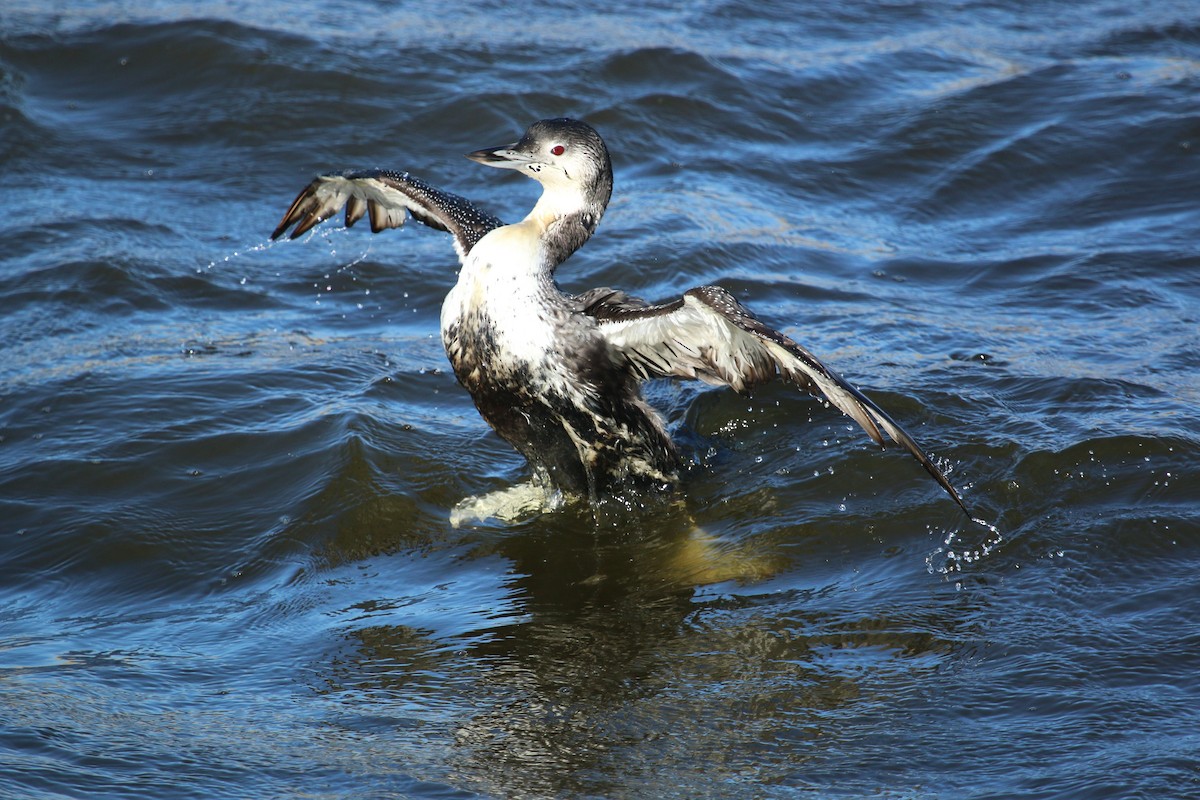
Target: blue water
<point>226,465</point>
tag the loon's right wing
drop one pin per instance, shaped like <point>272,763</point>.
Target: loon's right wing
<point>387,197</point>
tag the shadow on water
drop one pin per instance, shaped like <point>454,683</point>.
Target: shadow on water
<point>550,652</point>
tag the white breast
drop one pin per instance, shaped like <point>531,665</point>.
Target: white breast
<point>502,281</point>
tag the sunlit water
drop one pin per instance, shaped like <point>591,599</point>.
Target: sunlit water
<point>226,466</point>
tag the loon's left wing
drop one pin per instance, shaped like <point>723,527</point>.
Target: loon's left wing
<point>707,334</point>
<point>387,197</point>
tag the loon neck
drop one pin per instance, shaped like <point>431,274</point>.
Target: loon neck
<point>563,220</point>
<point>556,202</point>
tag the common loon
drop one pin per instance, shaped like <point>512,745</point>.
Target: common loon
<point>557,375</point>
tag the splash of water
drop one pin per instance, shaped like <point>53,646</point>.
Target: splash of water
<point>956,555</point>
<point>262,246</point>
<point>323,288</point>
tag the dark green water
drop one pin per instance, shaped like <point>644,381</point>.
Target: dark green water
<point>226,466</point>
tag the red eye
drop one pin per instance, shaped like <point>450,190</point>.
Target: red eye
<point>558,150</point>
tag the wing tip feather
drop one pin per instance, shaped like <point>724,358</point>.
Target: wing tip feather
<point>296,210</point>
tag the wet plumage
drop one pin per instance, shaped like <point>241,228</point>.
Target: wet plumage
<point>558,376</point>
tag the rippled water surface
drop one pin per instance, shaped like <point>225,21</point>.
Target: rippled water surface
<point>226,465</point>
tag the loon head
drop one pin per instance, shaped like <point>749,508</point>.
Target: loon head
<point>567,157</point>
